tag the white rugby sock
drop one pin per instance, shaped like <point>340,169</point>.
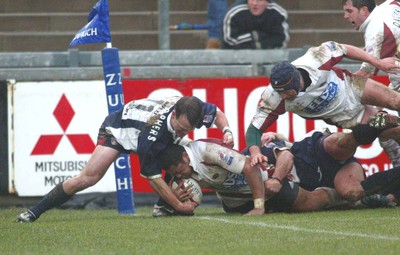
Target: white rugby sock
<point>392,149</point>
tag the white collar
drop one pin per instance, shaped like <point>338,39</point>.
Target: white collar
<point>170,129</point>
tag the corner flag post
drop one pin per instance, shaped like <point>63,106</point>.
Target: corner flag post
<point>115,101</point>
<point>98,31</point>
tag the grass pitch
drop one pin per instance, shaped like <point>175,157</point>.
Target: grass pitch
<point>211,231</point>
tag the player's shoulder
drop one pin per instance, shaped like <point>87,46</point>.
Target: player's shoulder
<point>205,146</point>
<point>208,148</point>
<point>270,96</point>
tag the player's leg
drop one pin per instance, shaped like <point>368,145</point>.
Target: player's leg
<point>389,141</point>
<point>340,146</point>
<point>390,136</point>
<point>348,180</point>
<point>377,94</point>
<point>351,185</point>
<point>318,199</point>
<point>94,170</point>
<point>383,182</point>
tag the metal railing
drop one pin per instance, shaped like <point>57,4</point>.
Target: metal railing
<point>87,65</point>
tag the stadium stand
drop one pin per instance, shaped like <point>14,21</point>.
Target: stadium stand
<point>49,25</point>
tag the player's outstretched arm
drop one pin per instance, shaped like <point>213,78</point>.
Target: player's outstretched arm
<point>388,65</point>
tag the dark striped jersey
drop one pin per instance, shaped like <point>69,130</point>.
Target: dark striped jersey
<point>143,127</point>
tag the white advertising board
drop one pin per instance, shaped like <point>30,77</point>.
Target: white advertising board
<point>55,126</point>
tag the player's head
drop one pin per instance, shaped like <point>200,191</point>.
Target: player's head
<point>357,11</point>
<point>370,4</point>
<point>186,116</point>
<point>175,160</point>
<point>285,79</point>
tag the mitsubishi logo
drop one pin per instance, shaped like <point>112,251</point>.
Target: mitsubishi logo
<point>47,144</point>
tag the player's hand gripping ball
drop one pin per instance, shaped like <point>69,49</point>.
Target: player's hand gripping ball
<point>196,189</point>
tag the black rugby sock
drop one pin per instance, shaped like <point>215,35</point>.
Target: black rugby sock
<point>365,134</point>
<point>382,182</point>
<point>54,198</point>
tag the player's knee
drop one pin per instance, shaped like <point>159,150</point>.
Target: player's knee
<point>340,146</point>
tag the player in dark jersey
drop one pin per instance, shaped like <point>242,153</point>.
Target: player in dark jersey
<point>317,161</point>
<point>144,127</point>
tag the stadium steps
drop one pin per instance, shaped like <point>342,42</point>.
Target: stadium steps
<point>49,25</point>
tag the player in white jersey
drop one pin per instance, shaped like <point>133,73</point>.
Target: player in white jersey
<point>144,127</point>
<point>217,168</point>
<point>312,87</point>
<point>227,172</point>
<point>381,28</point>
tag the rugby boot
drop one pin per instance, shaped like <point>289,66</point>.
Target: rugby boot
<point>383,120</point>
<point>377,201</point>
<point>167,210</point>
<point>161,211</point>
<point>27,216</point>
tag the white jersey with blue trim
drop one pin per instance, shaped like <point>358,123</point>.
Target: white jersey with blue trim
<point>218,168</point>
<point>332,96</point>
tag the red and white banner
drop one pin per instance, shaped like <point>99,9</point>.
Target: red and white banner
<point>55,126</point>
<point>238,98</point>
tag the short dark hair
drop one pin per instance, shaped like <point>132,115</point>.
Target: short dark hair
<point>191,107</point>
<point>361,3</point>
<point>171,156</point>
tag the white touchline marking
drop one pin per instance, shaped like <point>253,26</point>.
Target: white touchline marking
<point>299,229</point>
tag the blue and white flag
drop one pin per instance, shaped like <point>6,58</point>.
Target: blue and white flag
<point>98,28</point>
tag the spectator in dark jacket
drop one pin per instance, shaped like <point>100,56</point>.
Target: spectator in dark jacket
<point>255,24</point>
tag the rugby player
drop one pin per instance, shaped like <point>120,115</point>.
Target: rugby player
<point>144,127</point>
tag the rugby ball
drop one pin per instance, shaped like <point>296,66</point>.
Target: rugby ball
<point>196,189</point>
